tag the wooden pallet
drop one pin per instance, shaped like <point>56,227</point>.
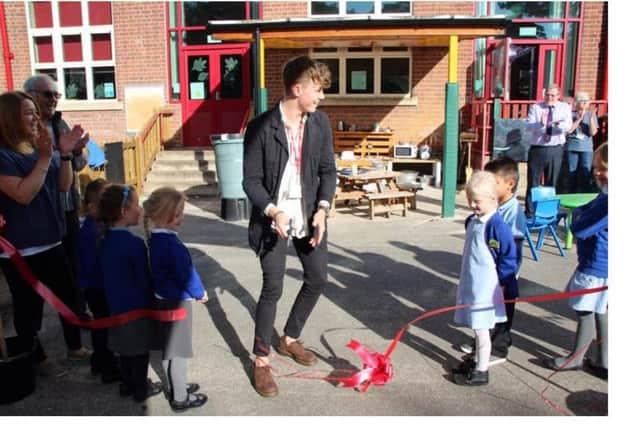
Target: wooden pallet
<point>363,143</point>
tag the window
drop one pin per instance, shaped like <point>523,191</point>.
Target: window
<point>72,41</point>
<point>358,71</point>
<point>355,8</point>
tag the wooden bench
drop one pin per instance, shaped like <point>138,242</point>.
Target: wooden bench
<point>389,201</point>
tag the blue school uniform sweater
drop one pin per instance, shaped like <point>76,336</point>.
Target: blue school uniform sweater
<point>125,266</point>
<point>88,255</point>
<point>173,272</point>
<point>590,226</point>
<point>499,239</point>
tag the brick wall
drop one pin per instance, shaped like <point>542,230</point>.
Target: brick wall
<point>593,47</point>
<point>140,57</point>
<point>281,9</point>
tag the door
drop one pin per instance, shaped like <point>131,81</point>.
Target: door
<point>217,92</point>
<point>549,70</point>
<point>498,68</point>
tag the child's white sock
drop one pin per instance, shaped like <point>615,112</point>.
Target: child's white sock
<point>483,349</point>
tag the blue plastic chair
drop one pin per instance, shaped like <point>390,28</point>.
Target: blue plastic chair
<point>545,192</point>
<point>545,217</point>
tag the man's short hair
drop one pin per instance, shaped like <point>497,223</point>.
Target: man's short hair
<point>305,68</point>
<point>504,167</point>
<point>32,82</point>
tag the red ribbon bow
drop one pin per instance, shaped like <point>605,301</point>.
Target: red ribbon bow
<point>377,369</point>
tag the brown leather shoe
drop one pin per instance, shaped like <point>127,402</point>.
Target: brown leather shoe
<point>297,352</point>
<point>263,381</point>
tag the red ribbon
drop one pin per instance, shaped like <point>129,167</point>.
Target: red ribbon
<point>378,370</point>
<point>67,313</point>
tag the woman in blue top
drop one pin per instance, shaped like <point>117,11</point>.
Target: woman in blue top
<point>32,175</point>
<point>176,283</point>
<point>127,286</point>
<point>590,225</point>
<point>579,145</point>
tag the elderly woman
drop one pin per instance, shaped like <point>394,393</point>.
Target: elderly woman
<point>580,145</point>
<point>32,175</point>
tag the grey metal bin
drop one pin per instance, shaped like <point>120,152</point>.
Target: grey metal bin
<point>228,150</point>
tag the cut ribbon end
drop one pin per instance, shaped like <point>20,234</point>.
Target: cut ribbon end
<point>377,369</point>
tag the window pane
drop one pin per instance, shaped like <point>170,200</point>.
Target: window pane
<point>196,13</point>
<point>529,9</point>
<point>360,75</point>
<point>70,13</point>
<point>72,48</point>
<point>231,76</point>
<point>324,8</point>
<point>194,37</point>
<point>43,49</point>
<point>395,75</point>
<point>100,13</point>
<point>51,72</point>
<point>570,66</point>
<point>574,9</point>
<point>198,77</point>
<point>175,65</point>
<point>334,67</point>
<point>41,16</point>
<point>101,47</point>
<point>360,7</point>
<point>396,7</point>
<point>104,83</point>
<point>75,83</point>
<point>549,30</point>
<point>359,49</point>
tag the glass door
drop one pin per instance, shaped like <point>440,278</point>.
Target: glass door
<point>218,92</point>
<point>549,68</point>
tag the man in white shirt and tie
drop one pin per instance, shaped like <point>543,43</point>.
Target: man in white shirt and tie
<point>549,121</point>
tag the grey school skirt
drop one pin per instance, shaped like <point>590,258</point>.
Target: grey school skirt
<point>133,338</point>
<point>174,338</point>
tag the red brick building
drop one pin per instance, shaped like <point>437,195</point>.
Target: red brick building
<point>106,54</point>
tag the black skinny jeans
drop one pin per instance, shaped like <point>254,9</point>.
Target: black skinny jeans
<point>314,264</point>
<point>52,268</point>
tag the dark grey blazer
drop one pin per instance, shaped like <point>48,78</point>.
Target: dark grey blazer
<point>265,156</point>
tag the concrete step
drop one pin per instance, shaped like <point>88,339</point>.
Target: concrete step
<point>181,175</point>
<point>196,154</point>
<point>184,165</point>
<point>209,190</point>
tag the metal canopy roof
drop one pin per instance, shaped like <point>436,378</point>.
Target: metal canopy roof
<point>359,31</point>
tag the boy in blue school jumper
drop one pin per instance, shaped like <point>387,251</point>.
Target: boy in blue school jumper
<point>176,283</point>
<point>489,264</point>
<point>590,226</point>
<point>90,281</point>
<point>127,284</point>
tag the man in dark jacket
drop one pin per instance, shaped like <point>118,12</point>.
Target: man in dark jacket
<point>290,178</point>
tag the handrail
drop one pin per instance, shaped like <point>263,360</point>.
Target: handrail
<point>138,152</point>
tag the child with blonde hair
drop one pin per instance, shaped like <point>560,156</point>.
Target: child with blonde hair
<point>127,284</point>
<point>489,261</point>
<point>176,283</point>
<point>590,226</point>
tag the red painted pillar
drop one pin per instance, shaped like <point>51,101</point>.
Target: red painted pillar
<point>6,51</point>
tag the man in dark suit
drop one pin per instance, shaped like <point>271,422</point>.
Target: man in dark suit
<point>290,178</point>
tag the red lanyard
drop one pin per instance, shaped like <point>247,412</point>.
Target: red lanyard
<point>295,142</point>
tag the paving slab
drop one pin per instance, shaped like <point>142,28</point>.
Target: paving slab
<point>382,274</point>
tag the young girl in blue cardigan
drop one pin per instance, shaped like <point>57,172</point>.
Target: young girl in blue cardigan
<point>127,286</point>
<point>590,226</point>
<point>175,283</point>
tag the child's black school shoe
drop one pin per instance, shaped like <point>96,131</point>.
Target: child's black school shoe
<point>466,366</point>
<point>193,400</point>
<point>472,378</point>
<point>151,390</point>
<point>191,388</point>
<point>597,370</point>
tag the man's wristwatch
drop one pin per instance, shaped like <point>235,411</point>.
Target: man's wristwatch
<point>66,157</point>
<point>324,207</point>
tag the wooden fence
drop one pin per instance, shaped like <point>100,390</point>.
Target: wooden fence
<point>138,153</point>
